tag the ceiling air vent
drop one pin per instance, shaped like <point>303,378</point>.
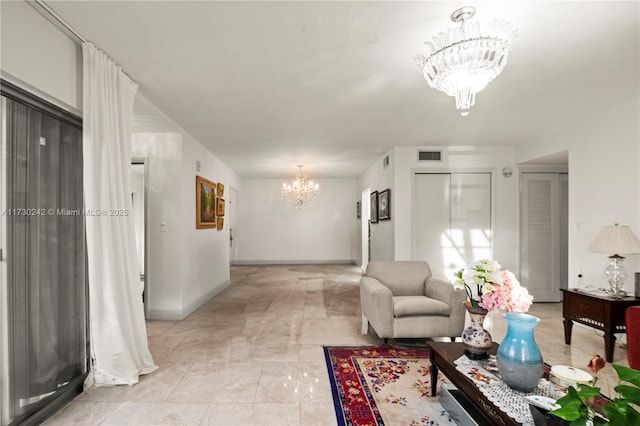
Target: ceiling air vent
<point>429,155</point>
<point>385,162</point>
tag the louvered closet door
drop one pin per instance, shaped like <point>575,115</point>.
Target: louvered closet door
<point>544,235</point>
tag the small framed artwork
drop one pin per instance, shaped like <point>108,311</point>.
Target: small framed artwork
<point>220,223</point>
<point>384,205</point>
<point>374,206</point>
<point>205,203</point>
<point>220,189</point>
<point>358,213</point>
<point>220,207</point>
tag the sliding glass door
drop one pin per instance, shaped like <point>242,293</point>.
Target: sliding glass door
<point>44,296</point>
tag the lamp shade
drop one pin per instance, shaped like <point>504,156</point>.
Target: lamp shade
<point>616,239</point>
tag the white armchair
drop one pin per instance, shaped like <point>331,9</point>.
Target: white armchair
<point>400,299</point>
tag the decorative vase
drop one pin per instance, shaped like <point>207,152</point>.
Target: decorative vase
<point>477,341</point>
<point>519,358</point>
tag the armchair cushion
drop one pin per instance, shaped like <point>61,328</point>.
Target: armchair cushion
<point>404,306</point>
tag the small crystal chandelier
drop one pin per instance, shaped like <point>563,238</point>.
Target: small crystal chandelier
<point>300,193</point>
<point>462,61</point>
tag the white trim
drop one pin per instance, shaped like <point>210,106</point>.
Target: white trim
<point>532,168</point>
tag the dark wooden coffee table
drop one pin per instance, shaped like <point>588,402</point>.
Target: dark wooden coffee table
<point>443,354</point>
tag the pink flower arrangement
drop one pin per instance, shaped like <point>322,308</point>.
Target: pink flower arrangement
<point>496,289</point>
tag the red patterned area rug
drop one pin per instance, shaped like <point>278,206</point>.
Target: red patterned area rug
<point>383,385</point>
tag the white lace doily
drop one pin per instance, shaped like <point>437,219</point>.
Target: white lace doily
<point>510,401</point>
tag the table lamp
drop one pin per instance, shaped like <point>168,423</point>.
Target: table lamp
<point>616,240</point>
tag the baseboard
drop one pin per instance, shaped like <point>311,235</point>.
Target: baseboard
<point>166,315</point>
<point>293,262</point>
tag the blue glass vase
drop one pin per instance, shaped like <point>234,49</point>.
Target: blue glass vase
<point>519,359</point>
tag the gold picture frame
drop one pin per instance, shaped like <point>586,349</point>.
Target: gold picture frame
<point>205,203</point>
<point>220,223</point>
<point>220,189</point>
<point>220,206</point>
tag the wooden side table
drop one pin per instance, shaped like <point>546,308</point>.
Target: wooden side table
<point>600,312</point>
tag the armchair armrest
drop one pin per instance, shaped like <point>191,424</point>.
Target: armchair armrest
<point>441,290</point>
<point>452,296</point>
<point>376,301</point>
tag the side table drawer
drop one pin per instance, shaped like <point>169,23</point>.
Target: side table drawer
<point>583,306</point>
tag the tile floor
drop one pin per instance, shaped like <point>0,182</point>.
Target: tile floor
<point>253,354</point>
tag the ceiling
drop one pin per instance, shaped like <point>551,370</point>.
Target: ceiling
<point>333,85</point>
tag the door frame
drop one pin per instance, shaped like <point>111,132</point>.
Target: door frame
<point>75,386</point>
<point>365,229</point>
<point>232,215</point>
<point>145,161</point>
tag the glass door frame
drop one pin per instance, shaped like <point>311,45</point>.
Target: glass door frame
<point>75,386</point>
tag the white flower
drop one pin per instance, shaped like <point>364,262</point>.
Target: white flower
<point>470,276</point>
<point>488,286</point>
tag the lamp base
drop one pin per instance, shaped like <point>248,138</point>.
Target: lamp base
<point>617,293</point>
<point>616,273</point>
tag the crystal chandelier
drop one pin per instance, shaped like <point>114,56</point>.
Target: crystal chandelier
<point>462,61</point>
<point>300,193</point>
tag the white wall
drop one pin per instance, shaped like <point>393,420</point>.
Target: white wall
<point>163,152</point>
<point>604,183</point>
<point>187,266</point>
<point>378,178</point>
<point>38,57</point>
<point>204,255</point>
<point>270,231</point>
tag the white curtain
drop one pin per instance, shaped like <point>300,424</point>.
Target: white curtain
<point>119,346</point>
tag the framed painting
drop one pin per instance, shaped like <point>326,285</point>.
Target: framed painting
<point>220,223</point>
<point>220,189</point>
<point>205,203</point>
<point>358,214</point>
<point>384,205</point>
<point>374,206</point>
<point>220,207</point>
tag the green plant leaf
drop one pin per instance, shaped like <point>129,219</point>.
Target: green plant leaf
<point>588,392</point>
<point>629,393</point>
<point>582,421</point>
<point>618,418</point>
<point>572,395</point>
<point>627,374</point>
<point>599,421</point>
<point>570,410</point>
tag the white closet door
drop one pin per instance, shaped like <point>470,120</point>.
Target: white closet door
<point>540,269</point>
<point>431,203</point>
<point>470,233</point>
<point>452,220</point>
